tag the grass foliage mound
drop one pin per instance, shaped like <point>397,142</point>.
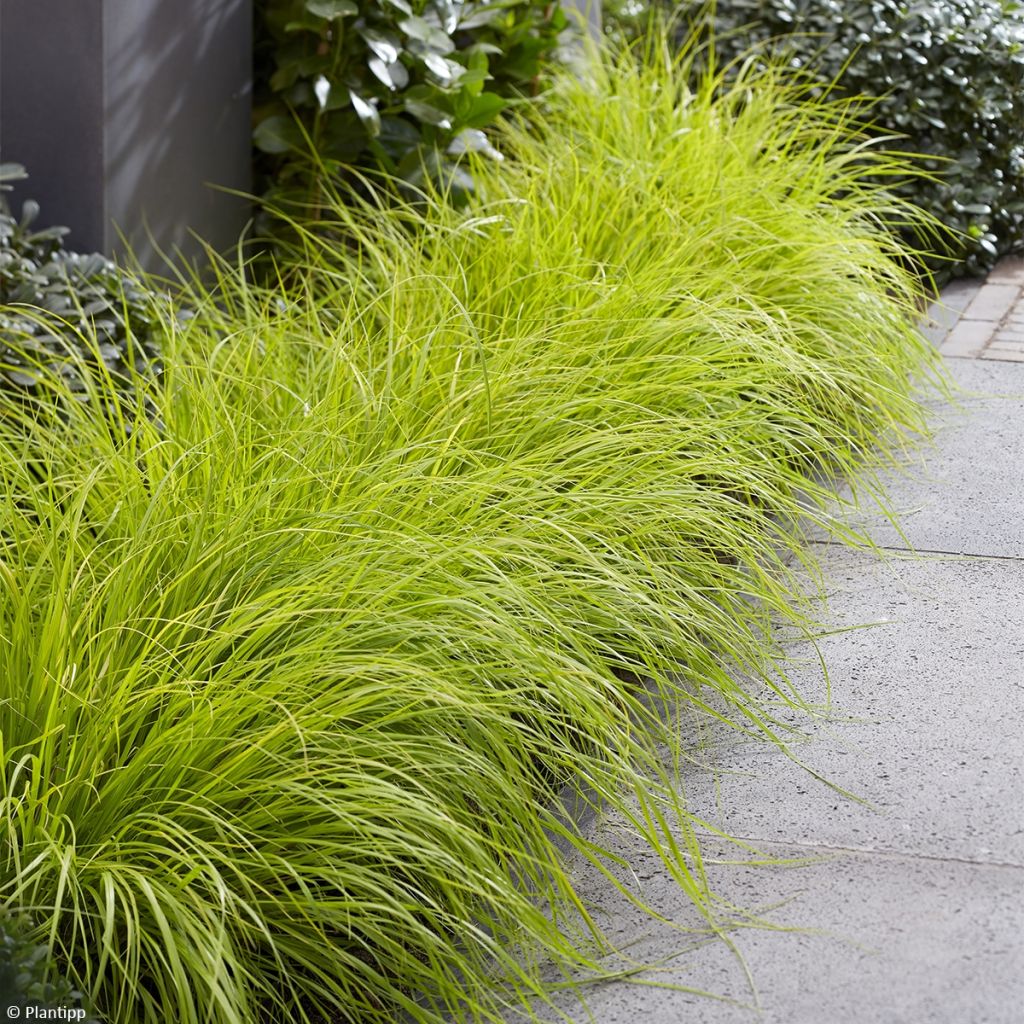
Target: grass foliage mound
<point>292,668</point>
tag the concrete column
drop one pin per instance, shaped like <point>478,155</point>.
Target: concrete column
<point>126,114</point>
<point>587,15</point>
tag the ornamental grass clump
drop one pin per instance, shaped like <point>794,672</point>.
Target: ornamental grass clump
<point>297,654</point>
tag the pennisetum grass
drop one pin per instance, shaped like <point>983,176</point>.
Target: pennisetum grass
<point>295,655</point>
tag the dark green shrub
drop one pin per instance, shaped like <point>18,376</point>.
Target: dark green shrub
<point>401,85</point>
<point>950,77</point>
<point>28,977</point>
<point>59,307</point>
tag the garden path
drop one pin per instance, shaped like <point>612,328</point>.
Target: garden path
<point>908,907</point>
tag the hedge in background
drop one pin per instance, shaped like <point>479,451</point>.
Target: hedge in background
<point>406,86</point>
<point>949,75</point>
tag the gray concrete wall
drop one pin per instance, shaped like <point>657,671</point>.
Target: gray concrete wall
<point>587,14</point>
<point>51,109</point>
<point>127,114</point>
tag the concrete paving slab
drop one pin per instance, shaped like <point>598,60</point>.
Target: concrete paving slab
<point>999,352</point>
<point>907,911</point>
<point>943,314</point>
<point>992,301</point>
<point>968,338</point>
<point>927,720</point>
<point>1009,270</point>
<point>865,939</point>
<point>965,493</point>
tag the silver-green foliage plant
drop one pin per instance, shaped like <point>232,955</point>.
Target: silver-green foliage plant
<point>293,671</point>
<point>52,297</point>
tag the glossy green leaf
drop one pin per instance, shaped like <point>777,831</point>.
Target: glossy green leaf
<point>472,140</point>
<point>422,31</point>
<point>473,81</point>
<point>448,13</point>
<point>483,110</point>
<point>367,113</point>
<point>447,72</point>
<point>332,9</point>
<point>395,76</point>
<point>322,90</point>
<point>384,45</point>
<point>428,113</point>
<point>278,134</point>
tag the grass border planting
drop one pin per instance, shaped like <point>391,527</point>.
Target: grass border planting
<point>299,643</point>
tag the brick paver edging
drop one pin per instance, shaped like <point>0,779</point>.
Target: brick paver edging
<point>982,319</point>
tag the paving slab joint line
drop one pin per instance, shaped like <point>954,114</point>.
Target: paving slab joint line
<point>974,555</point>
<point>859,851</point>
